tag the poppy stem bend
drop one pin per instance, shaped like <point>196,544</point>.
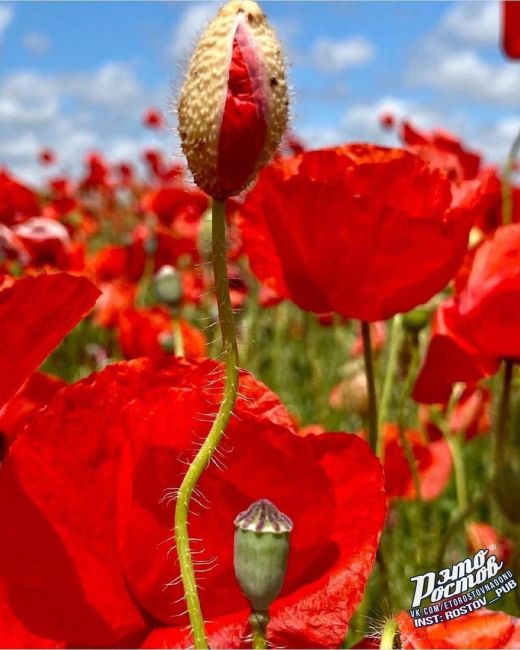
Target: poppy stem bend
<point>371,385</point>
<point>210,444</point>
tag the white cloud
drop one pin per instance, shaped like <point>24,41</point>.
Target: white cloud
<point>27,98</point>
<point>36,43</point>
<point>74,113</point>
<point>6,17</point>
<point>360,123</point>
<point>466,74</point>
<point>189,27</point>
<point>335,55</point>
<point>112,85</point>
<point>477,22</point>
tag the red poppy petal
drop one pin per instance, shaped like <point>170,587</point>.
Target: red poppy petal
<point>373,214</point>
<point>14,635</point>
<point>35,314</point>
<point>480,629</point>
<point>450,358</point>
<point>58,487</point>
<point>511,28</point>
<point>34,394</point>
<point>433,461</point>
<point>332,552</point>
<point>489,305</point>
<point>243,129</point>
<point>227,632</point>
<point>87,479</point>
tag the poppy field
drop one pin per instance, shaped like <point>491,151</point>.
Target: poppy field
<point>263,395</point>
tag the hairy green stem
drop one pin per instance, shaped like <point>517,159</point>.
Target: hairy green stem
<point>371,385</point>
<point>502,422</point>
<point>388,635</point>
<point>386,394</point>
<point>218,427</point>
<point>258,622</point>
<point>507,190</point>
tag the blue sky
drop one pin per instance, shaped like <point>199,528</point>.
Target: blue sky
<point>77,75</point>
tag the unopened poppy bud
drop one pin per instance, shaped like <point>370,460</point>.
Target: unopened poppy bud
<point>261,552</point>
<point>234,102</point>
<point>168,286</point>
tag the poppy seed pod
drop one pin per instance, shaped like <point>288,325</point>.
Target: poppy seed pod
<point>261,551</point>
<point>168,286</point>
<point>233,106</point>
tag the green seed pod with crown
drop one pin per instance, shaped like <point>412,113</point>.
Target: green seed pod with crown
<point>261,552</point>
<point>168,286</point>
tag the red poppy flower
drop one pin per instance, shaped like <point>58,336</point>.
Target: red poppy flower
<point>450,358</point>
<point>360,230</point>
<point>116,297</point>
<point>511,28</point>
<point>471,413</point>
<point>17,202</point>
<point>176,203</point>
<point>48,306</point>
<point>126,173</point>
<point>489,303</point>
<point>387,121</point>
<point>47,241</point>
<point>433,463</point>
<point>47,156</point>
<point>85,480</point>
<point>480,629</point>
<point>97,175</point>
<point>481,535</point>
<point>443,150</point>
<point>469,417</point>
<point>154,119</point>
<point>146,332</point>
<point>11,248</point>
<point>477,328</point>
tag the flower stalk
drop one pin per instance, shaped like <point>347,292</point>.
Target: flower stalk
<point>258,622</point>
<point>502,423</point>
<point>396,337</point>
<point>389,634</point>
<point>371,385</point>
<point>206,451</point>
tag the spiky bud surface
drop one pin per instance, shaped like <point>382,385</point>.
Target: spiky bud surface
<point>261,552</point>
<point>233,107</point>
